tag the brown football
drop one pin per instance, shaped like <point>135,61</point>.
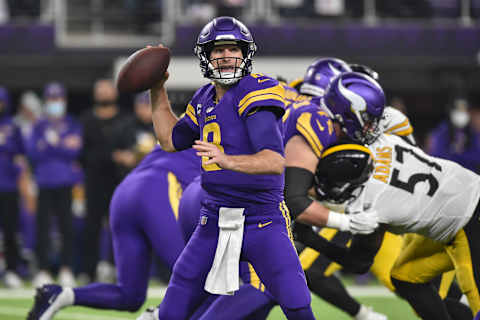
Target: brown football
<point>143,69</point>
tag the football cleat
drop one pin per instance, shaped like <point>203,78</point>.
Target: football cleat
<point>367,313</point>
<point>48,300</point>
<point>150,314</point>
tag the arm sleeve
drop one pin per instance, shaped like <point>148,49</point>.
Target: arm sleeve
<point>297,183</point>
<point>183,136</point>
<point>357,258</point>
<point>264,131</point>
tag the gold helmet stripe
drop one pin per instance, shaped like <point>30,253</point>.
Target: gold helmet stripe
<point>343,147</point>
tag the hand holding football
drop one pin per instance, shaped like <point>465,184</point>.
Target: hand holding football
<point>143,69</point>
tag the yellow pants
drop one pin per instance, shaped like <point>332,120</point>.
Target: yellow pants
<point>423,259</point>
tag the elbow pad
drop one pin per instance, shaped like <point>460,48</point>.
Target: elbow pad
<point>297,183</point>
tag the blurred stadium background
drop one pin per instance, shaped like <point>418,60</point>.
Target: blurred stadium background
<point>427,52</point>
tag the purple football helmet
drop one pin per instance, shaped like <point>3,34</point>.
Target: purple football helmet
<point>320,73</point>
<point>222,31</point>
<point>356,101</point>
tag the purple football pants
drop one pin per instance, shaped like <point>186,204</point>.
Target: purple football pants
<point>141,219</point>
<point>268,247</point>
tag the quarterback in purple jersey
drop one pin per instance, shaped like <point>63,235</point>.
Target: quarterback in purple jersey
<point>235,125</point>
<point>306,120</point>
<point>143,217</point>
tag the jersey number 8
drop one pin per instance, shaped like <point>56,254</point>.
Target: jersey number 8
<point>211,133</point>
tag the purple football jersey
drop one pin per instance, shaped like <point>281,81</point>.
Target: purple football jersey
<point>223,123</point>
<point>308,120</point>
<point>292,95</point>
<point>185,164</point>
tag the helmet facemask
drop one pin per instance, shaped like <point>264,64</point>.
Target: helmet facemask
<point>241,66</point>
<point>339,193</point>
<point>366,127</point>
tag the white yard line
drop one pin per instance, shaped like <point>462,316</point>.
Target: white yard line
<point>159,292</point>
<point>65,315</point>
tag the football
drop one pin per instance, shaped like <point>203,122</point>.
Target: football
<point>143,69</point>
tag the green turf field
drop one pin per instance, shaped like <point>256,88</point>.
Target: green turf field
<point>14,305</point>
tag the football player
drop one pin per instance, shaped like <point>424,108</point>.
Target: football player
<point>143,218</point>
<point>414,193</point>
<point>234,124</point>
<point>306,121</point>
<point>308,130</point>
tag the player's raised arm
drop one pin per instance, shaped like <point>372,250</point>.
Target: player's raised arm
<point>163,117</point>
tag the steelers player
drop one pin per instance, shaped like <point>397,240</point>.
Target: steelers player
<point>412,193</point>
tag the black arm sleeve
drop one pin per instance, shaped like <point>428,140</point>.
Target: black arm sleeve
<point>297,183</point>
<point>357,258</point>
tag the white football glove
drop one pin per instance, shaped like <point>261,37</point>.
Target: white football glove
<point>362,222</point>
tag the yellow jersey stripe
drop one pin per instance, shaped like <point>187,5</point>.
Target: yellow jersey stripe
<point>295,82</point>
<point>174,193</point>
<point>347,147</point>
<point>190,112</point>
<point>260,98</point>
<point>305,128</point>
<point>405,132</point>
<point>401,124</point>
<point>278,91</point>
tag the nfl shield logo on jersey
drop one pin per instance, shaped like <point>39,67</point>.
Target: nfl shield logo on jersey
<point>203,220</point>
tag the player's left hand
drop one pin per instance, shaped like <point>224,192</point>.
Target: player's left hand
<point>210,150</point>
<point>363,222</point>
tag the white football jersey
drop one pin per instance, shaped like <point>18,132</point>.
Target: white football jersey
<point>417,193</point>
<point>395,122</point>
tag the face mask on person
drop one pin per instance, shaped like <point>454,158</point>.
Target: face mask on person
<point>55,109</point>
<point>459,118</point>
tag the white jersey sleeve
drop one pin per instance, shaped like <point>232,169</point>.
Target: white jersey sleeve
<point>417,193</point>
<point>395,122</point>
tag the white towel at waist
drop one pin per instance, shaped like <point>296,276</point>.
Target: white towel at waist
<point>223,277</point>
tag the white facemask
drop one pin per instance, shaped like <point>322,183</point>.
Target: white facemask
<point>459,118</point>
<point>55,109</point>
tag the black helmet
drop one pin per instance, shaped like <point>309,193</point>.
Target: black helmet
<point>365,70</point>
<point>343,168</point>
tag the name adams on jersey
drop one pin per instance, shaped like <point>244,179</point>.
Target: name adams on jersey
<point>416,193</point>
